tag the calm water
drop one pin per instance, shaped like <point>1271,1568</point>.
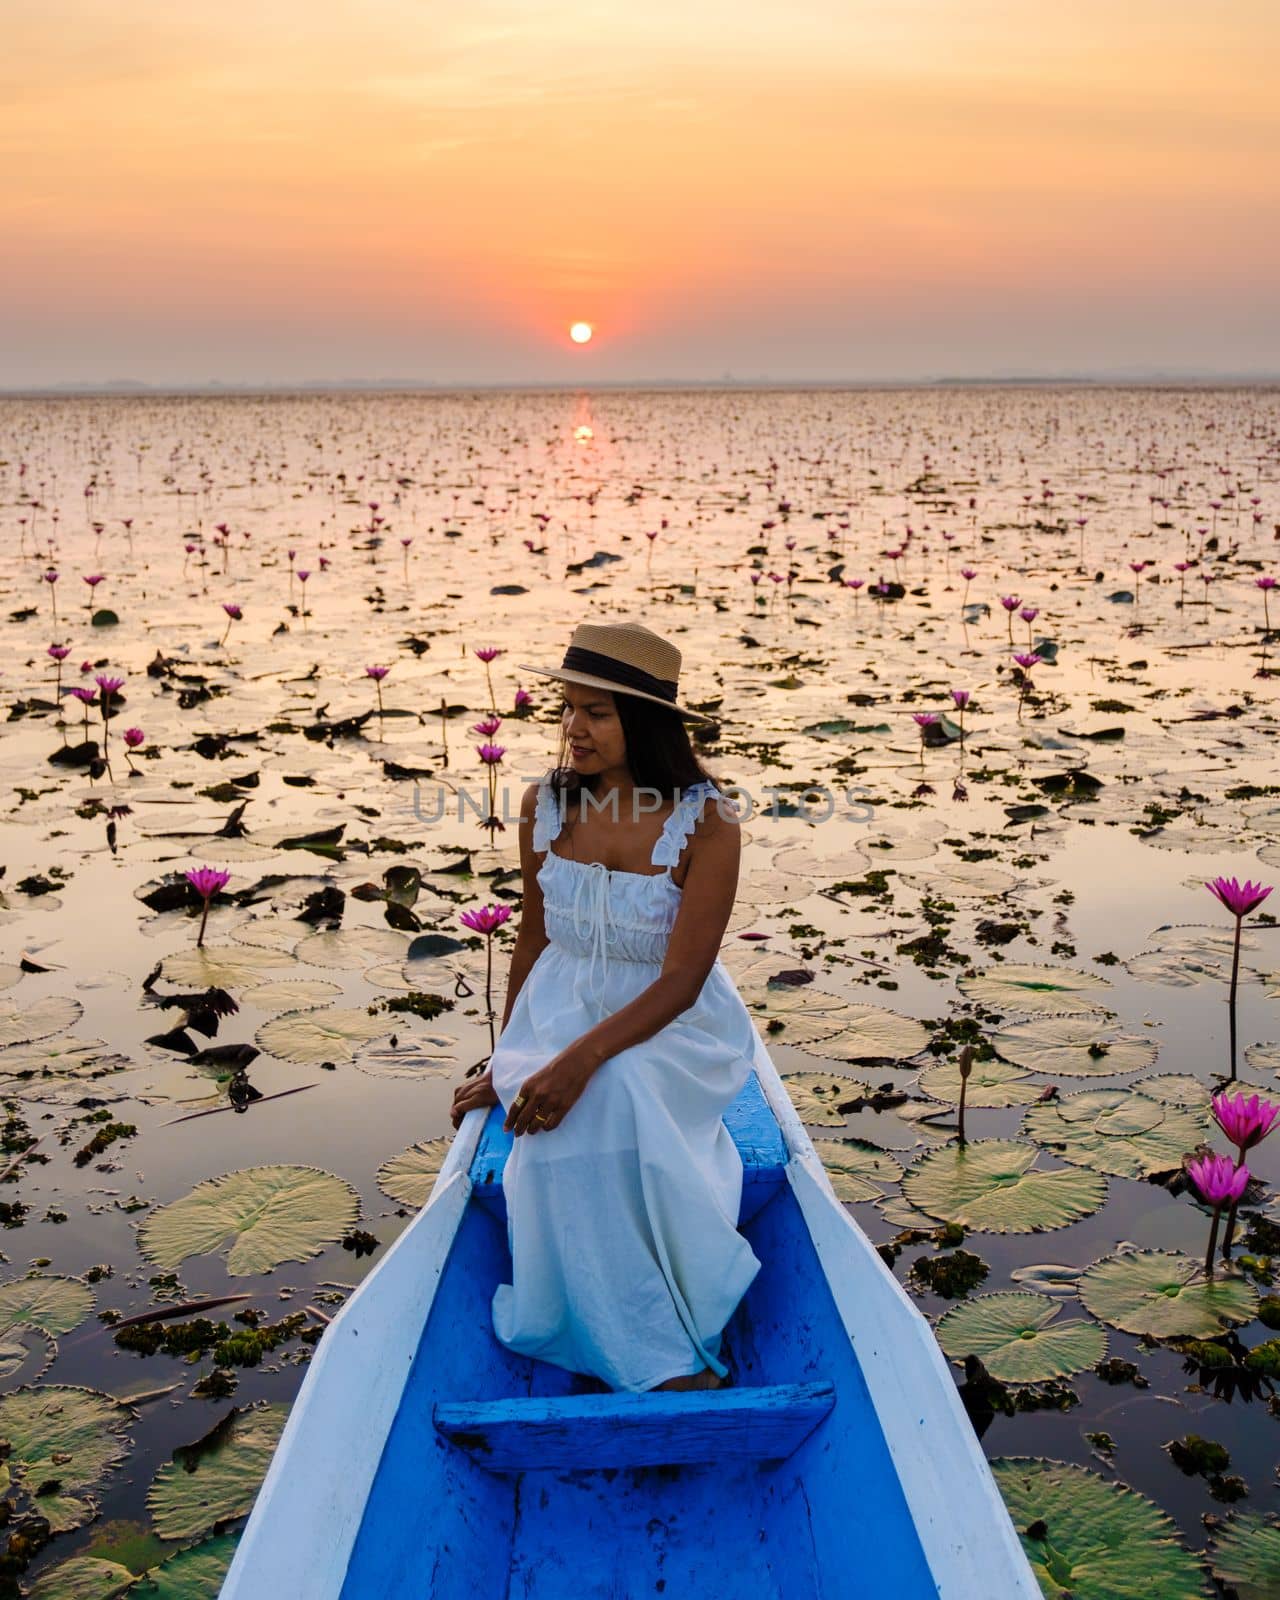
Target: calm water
<point>523,514</point>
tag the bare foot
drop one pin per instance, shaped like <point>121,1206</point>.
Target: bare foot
<point>706,1379</point>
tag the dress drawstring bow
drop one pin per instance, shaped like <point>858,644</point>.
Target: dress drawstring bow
<point>592,918</point>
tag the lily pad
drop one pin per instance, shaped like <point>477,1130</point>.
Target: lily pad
<point>815,1096</point>
<point>272,1213</point>
<point>225,966</point>
<point>196,1573</point>
<point>1019,1337</point>
<point>858,1170</point>
<point>1117,1131</point>
<point>1031,990</point>
<point>54,1304</point>
<point>801,1016</point>
<point>38,1019</point>
<point>312,1037</point>
<point>1246,1556</point>
<point>869,1033</point>
<point>991,1083</point>
<point>351,948</point>
<point>218,1479</point>
<point>1164,1294</point>
<point>294,994</point>
<point>1078,1045</point>
<point>409,1176</point>
<point>1098,1540</point>
<point>82,1578</point>
<point>65,1434</point>
<point>990,1186</point>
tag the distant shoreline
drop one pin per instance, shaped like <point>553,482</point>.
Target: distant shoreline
<point>128,388</point>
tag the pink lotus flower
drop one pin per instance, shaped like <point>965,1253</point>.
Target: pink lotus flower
<point>1029,613</point>
<point>95,579</point>
<point>1246,1122</point>
<point>489,653</point>
<point>1027,659</point>
<point>133,737</point>
<point>1239,898</point>
<point>378,673</point>
<point>232,610</point>
<point>522,698</point>
<point>487,919</point>
<point>59,652</point>
<point>206,881</point>
<point>491,753</point>
<point>487,726</point>
<point>961,697</point>
<point>85,696</point>
<point>1010,602</point>
<point>967,573</point>
<point>1217,1178</point>
<point>926,719</point>
<point>108,685</point>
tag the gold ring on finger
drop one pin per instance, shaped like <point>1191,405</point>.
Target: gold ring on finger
<point>540,1116</point>
<point>518,1101</point>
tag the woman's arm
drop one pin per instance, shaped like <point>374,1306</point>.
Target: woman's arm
<point>531,936</point>
<point>710,885</point>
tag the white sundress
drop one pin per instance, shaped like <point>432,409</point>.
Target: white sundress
<point>622,1219</point>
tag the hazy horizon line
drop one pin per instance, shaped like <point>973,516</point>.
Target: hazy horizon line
<point>1136,376</point>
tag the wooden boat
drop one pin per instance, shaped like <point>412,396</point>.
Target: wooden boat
<point>423,1459</point>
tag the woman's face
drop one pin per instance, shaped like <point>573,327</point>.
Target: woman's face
<point>593,728</point>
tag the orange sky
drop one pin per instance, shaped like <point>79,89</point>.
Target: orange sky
<point>402,188</point>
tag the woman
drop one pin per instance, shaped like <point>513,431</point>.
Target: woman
<point>623,1039</point>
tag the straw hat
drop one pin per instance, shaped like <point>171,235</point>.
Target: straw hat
<point>625,657</point>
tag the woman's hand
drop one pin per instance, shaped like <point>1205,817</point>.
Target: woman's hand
<point>551,1091</point>
<point>475,1092</point>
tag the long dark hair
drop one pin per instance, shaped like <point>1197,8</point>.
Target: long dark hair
<point>660,753</point>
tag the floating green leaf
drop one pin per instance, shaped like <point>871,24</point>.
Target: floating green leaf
<point>858,1170</point>
<point>294,994</point>
<point>273,1214</point>
<point>1035,990</point>
<point>1100,1540</point>
<point>225,966</point>
<point>1117,1131</point>
<point>66,1435</point>
<point>312,1037</point>
<point>196,1573</point>
<point>1164,1294</point>
<point>82,1578</point>
<point>1019,1339</point>
<point>54,1304</point>
<point>990,1186</point>
<point>1078,1045</point>
<point>220,1477</point>
<point>38,1019</point>
<point>801,1016</point>
<point>869,1033</point>
<point>1246,1556</point>
<point>409,1176</point>
<point>991,1083</point>
<point>815,1095</point>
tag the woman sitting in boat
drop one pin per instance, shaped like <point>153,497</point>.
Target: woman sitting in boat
<point>624,1039</point>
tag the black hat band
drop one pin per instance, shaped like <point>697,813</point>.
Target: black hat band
<point>621,672</point>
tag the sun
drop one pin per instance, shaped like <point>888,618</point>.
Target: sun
<point>581,332</point>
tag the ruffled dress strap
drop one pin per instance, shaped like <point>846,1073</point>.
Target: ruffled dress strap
<point>547,816</point>
<point>681,823</point>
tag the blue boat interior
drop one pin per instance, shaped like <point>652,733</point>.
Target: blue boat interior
<point>507,1477</point>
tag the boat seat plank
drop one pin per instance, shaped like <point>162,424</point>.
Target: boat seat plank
<point>572,1432</point>
<point>752,1124</point>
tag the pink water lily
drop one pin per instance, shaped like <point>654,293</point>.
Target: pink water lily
<point>1219,1182</point>
<point>133,737</point>
<point>206,881</point>
<point>487,920</point>
<point>1240,899</point>
<point>1245,1121</point>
